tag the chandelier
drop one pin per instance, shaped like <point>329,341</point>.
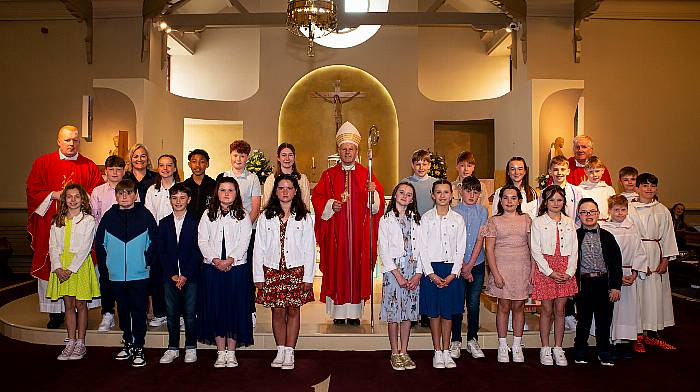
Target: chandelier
<point>311,19</point>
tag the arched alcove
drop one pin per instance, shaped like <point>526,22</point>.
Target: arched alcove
<point>113,111</point>
<point>308,122</point>
<point>557,119</point>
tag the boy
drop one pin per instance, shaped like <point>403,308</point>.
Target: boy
<point>472,276</point>
<point>421,181</point>
<point>628,180</point>
<point>200,184</point>
<point>180,259</point>
<point>103,197</point>
<point>125,241</point>
<point>656,228</point>
<point>558,170</point>
<point>466,164</point>
<point>594,187</point>
<point>251,195</point>
<point>626,322</point>
<point>599,277</point>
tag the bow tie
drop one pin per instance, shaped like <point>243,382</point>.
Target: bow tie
<point>594,231</point>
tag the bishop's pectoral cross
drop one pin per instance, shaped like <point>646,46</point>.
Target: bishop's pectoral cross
<point>338,98</point>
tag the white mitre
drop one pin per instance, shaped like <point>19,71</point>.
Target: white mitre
<point>347,133</point>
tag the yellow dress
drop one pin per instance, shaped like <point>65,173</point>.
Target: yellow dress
<point>83,285</point>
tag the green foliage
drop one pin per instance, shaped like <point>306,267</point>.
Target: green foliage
<point>542,181</point>
<point>259,164</point>
<point>438,168</point>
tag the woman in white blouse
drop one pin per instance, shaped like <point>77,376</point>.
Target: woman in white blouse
<point>286,164</point>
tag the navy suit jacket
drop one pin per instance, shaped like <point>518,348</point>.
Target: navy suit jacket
<point>185,252</point>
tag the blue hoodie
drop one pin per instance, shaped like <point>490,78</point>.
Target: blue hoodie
<point>125,241</point>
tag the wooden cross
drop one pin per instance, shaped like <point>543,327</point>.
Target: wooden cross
<point>338,98</point>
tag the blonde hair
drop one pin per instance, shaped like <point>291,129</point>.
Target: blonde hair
<point>558,160</point>
<point>594,163</point>
<point>132,150</point>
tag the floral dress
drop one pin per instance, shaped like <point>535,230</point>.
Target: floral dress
<point>284,287</point>
<point>399,304</point>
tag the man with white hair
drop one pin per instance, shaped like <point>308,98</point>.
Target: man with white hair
<point>49,175</point>
<point>583,149</point>
<point>343,213</point>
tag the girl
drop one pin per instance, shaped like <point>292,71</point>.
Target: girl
<point>139,169</point>
<point>443,241</point>
<point>508,256</point>
<point>518,175</point>
<point>286,164</point>
<point>73,275</point>
<point>554,246</point>
<point>284,257</point>
<point>398,241</point>
<point>223,306</point>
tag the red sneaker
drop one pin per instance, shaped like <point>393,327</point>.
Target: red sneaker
<point>658,342</point>
<point>638,346</point>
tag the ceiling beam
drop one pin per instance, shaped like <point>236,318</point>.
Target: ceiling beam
<point>237,5</point>
<point>435,6</point>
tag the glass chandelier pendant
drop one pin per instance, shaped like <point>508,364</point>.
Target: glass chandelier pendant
<point>311,19</point>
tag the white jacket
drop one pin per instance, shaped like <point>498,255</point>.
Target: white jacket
<point>299,246</point>
<point>391,244</point>
<point>81,236</point>
<point>442,238</point>
<point>158,201</point>
<point>543,241</point>
<point>237,234</point>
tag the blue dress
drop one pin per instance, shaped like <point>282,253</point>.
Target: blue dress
<point>399,304</point>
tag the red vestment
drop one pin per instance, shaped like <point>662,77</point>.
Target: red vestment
<point>50,173</point>
<point>577,175</point>
<point>344,239</point>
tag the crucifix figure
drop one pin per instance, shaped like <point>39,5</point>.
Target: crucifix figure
<point>338,98</point>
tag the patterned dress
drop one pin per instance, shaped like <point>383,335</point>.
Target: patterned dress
<point>83,285</point>
<point>399,304</point>
<point>284,287</point>
<point>512,254</point>
<point>545,287</point>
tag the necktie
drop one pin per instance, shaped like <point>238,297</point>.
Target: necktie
<point>223,245</point>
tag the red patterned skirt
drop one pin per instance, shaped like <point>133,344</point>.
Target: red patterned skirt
<point>284,288</point>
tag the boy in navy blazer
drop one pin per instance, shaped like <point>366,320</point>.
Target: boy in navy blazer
<point>180,259</point>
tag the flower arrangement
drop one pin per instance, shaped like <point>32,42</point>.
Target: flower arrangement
<point>438,167</point>
<point>542,181</point>
<point>259,165</point>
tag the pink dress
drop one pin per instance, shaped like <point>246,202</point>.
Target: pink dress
<point>545,287</point>
<point>512,254</point>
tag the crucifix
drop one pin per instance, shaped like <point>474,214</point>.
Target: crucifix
<point>338,98</point>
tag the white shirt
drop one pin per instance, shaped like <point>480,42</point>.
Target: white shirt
<point>81,237</point>
<point>442,239</point>
<point>299,246</point>
<point>600,192</point>
<point>178,225</point>
<point>303,185</point>
<point>573,196</point>
<point>526,207</point>
<point>543,241</point>
<point>391,245</point>
<point>211,235</point>
<point>630,242</point>
<point>158,201</point>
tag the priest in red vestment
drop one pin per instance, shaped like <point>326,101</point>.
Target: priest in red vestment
<point>49,175</point>
<point>583,149</point>
<point>343,213</point>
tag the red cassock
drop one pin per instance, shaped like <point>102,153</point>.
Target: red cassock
<point>51,173</point>
<point>577,175</point>
<point>344,239</point>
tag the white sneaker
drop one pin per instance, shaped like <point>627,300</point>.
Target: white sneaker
<point>503,354</point>
<point>279,358</point>
<point>158,321</point>
<point>570,323</point>
<point>518,356</point>
<point>288,363</point>
<point>107,323</point>
<point>231,361</point>
<point>220,359</point>
<point>254,317</point>
<point>438,360</point>
<point>474,349</point>
<point>546,356</point>
<point>447,358</point>
<point>190,355</point>
<point>169,356</point>
<point>559,356</point>
<point>67,351</point>
<point>182,324</point>
<point>455,349</point>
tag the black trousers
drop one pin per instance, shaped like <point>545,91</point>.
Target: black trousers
<point>156,288</point>
<point>132,304</point>
<point>593,299</point>
<point>107,295</point>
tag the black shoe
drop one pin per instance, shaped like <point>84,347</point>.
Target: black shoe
<point>125,353</point>
<point>137,357</point>
<point>353,321</point>
<point>55,320</point>
<point>425,322</point>
<point>339,321</point>
<point>414,323</point>
<point>606,359</point>
<point>624,351</point>
<point>580,356</point>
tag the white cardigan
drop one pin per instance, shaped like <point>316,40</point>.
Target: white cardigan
<point>237,234</point>
<point>81,236</point>
<point>543,241</point>
<point>442,239</point>
<point>158,201</point>
<point>299,246</point>
<point>391,244</point>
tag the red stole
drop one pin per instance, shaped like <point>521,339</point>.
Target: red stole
<point>49,173</point>
<point>344,239</point>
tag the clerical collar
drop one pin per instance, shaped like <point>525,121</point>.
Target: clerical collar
<point>348,167</point>
<point>67,158</point>
<point>579,164</point>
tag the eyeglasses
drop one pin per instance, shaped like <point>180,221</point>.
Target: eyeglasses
<point>591,212</point>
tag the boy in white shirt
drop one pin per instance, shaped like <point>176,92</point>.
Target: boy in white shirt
<point>595,188</point>
<point>628,180</point>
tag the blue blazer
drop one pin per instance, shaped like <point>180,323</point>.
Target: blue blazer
<point>184,253</point>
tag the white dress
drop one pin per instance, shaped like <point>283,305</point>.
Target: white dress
<point>626,321</point>
<point>656,228</point>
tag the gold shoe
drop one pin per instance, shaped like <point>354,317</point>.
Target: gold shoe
<point>397,362</point>
<point>408,363</point>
